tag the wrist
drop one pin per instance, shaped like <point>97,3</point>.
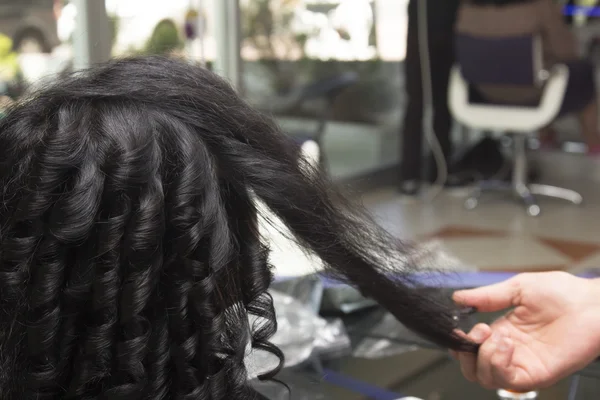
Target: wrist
<point>593,310</point>
<point>595,290</point>
<point>593,293</point>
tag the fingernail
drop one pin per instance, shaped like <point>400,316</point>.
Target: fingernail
<point>457,295</point>
<point>477,335</point>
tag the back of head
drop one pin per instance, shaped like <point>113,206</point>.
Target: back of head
<point>130,259</point>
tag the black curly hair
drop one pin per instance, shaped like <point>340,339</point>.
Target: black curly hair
<point>130,257</point>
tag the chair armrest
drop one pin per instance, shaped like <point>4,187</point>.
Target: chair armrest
<point>555,88</point>
<point>507,117</point>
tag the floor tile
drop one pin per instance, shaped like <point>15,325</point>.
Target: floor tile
<point>506,253</point>
<point>592,261</point>
<point>576,251</point>
<point>498,235</point>
<point>456,231</point>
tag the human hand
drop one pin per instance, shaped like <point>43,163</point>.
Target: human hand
<point>553,331</point>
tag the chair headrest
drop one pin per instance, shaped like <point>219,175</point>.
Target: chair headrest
<point>515,60</point>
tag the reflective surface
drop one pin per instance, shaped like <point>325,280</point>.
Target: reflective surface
<point>510,395</point>
<point>288,44</point>
<point>36,36</point>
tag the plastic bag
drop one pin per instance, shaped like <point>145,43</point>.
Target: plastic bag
<point>302,386</point>
<point>388,337</point>
<point>301,334</point>
<point>383,336</point>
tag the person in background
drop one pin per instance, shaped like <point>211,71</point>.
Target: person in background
<point>441,16</point>
<point>569,17</point>
<point>510,18</point>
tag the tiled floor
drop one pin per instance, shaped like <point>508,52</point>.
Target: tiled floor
<point>499,235</point>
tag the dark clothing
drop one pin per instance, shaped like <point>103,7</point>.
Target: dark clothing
<point>579,94</point>
<point>441,17</point>
<point>581,88</point>
<point>569,18</point>
<point>535,17</point>
<point>440,14</point>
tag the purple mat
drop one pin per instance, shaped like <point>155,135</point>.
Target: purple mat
<point>455,280</point>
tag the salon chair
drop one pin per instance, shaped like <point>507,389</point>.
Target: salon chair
<point>327,90</point>
<point>514,61</point>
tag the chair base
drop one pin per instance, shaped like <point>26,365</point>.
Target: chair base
<point>527,194</point>
<point>519,187</point>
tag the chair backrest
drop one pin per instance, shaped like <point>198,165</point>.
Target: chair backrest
<point>513,60</point>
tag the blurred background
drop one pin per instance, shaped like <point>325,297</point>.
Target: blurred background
<point>336,72</point>
<point>281,45</point>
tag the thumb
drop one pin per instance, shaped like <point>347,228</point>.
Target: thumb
<point>490,298</point>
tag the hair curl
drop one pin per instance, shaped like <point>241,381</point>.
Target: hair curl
<point>130,258</point>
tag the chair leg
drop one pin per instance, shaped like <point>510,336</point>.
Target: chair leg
<point>523,194</point>
<point>574,387</point>
<point>556,193</point>
<point>526,196</point>
<point>523,191</point>
<point>323,159</point>
<point>520,167</point>
<point>486,186</point>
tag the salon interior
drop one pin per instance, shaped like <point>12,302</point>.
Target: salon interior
<point>491,191</point>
